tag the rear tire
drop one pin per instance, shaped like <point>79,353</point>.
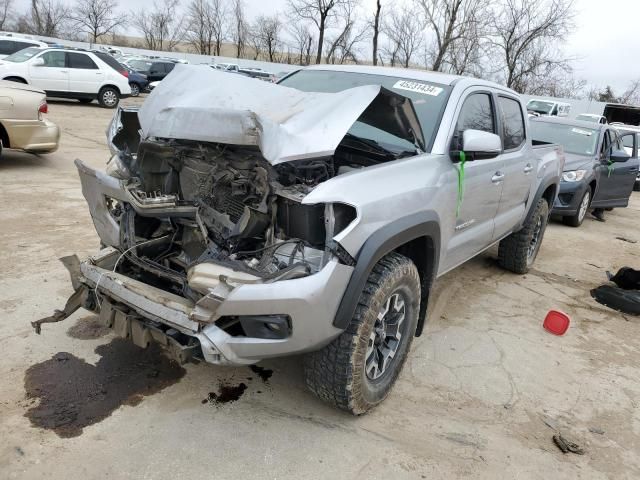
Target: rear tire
<point>135,89</point>
<point>357,370</point>
<point>577,219</point>
<point>518,251</point>
<point>108,97</point>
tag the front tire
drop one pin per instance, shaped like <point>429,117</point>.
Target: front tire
<point>518,251</point>
<point>583,207</point>
<point>108,97</point>
<point>357,370</point>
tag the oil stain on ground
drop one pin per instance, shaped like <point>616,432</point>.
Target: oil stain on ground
<point>74,394</point>
<point>88,328</point>
<point>263,373</point>
<point>227,393</point>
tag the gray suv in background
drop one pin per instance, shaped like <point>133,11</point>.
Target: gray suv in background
<point>245,220</point>
<point>598,172</point>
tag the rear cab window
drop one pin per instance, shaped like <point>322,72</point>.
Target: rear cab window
<point>513,131</point>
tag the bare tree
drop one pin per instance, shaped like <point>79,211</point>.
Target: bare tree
<point>45,17</point>
<point>321,12</point>
<point>6,12</point>
<point>632,94</point>
<point>526,34</point>
<point>254,40</point>
<point>239,28</point>
<point>161,27</point>
<point>376,32</point>
<point>302,39</point>
<point>451,22</point>
<point>205,26</point>
<point>97,17</point>
<point>403,29</point>
<point>344,45</point>
<point>268,30</point>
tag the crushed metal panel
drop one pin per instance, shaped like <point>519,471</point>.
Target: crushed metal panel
<point>202,104</point>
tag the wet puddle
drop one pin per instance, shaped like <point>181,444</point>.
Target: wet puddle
<point>74,394</point>
<point>88,328</point>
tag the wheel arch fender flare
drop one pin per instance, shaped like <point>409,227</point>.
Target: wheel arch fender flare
<point>549,190</point>
<point>402,232</point>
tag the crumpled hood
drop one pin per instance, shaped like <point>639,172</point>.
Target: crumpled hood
<point>202,104</point>
<point>577,162</point>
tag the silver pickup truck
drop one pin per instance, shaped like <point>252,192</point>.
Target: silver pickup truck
<point>242,220</point>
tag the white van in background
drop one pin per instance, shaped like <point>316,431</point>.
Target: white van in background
<point>548,108</point>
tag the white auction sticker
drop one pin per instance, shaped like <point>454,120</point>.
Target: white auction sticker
<point>418,87</point>
<point>588,133</point>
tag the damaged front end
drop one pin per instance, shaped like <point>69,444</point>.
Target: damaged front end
<point>209,246</point>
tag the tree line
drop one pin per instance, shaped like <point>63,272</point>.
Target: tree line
<point>518,43</point>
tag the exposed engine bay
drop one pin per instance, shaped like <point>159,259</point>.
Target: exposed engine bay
<point>213,203</point>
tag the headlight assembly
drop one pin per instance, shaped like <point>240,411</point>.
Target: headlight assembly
<point>573,175</point>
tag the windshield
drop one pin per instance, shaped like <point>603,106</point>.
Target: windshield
<point>23,55</point>
<point>576,140</point>
<point>540,107</point>
<point>428,99</point>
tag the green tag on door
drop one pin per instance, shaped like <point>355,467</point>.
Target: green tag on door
<point>460,169</point>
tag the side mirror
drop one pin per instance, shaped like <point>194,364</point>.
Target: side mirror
<point>478,145</point>
<point>38,62</point>
<point>619,156</point>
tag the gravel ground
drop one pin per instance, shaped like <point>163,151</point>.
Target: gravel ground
<point>483,391</point>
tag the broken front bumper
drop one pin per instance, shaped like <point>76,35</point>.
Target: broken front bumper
<point>143,313</point>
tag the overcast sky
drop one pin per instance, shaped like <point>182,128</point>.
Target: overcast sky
<point>605,41</point>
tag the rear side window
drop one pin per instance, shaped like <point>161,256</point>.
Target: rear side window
<point>109,60</point>
<point>80,60</point>
<point>168,67</point>
<point>512,123</point>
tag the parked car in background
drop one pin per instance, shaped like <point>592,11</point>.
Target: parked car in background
<point>228,67</point>
<point>259,74</point>
<point>23,125</point>
<point>10,45</point>
<point>137,81</point>
<point>154,70</point>
<point>592,117</point>
<point>548,108</point>
<point>598,172</point>
<point>69,73</point>
<point>247,220</point>
<point>631,141</point>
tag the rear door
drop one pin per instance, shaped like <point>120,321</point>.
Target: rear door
<point>616,179</point>
<point>483,181</point>
<point>518,166</point>
<point>84,75</point>
<point>53,76</point>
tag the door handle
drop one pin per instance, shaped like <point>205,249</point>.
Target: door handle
<point>497,177</point>
<point>528,168</point>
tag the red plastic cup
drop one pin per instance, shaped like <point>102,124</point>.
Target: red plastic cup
<point>556,322</point>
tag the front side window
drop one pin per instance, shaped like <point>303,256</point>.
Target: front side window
<point>80,60</point>
<point>54,59</point>
<point>512,123</point>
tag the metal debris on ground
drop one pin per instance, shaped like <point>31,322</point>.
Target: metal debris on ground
<point>567,446</point>
<point>626,240</point>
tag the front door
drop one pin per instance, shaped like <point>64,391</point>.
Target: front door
<point>483,181</point>
<point>84,74</point>
<point>616,179</point>
<point>519,169</point>
<point>53,76</point>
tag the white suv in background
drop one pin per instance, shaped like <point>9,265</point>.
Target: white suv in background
<point>10,44</point>
<point>69,73</point>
